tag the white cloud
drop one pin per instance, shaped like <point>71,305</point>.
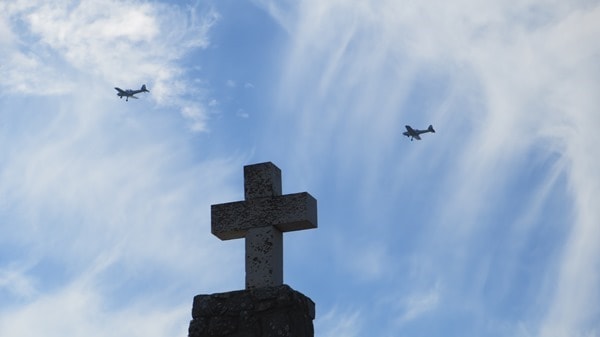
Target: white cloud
<point>80,310</point>
<point>337,323</point>
<point>13,279</point>
<point>62,46</point>
<point>119,198</point>
<point>418,304</point>
<point>101,197</point>
<point>574,310</point>
<point>101,208</point>
<point>502,81</point>
<point>196,114</point>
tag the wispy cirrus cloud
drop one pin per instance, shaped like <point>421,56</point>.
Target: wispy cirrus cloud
<point>338,322</point>
<point>104,203</point>
<point>101,217</point>
<point>60,47</point>
<point>88,314</point>
<point>416,305</point>
<point>15,282</point>
<point>513,88</point>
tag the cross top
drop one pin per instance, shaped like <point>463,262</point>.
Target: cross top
<point>261,219</point>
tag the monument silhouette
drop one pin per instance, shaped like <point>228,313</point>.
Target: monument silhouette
<point>267,307</point>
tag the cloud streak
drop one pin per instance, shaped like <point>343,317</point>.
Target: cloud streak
<point>104,227</point>
<point>513,89</point>
<point>104,204</point>
<point>489,225</point>
<point>90,40</point>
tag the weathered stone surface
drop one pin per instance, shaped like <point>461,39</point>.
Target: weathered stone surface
<point>262,180</point>
<point>261,219</point>
<point>290,212</point>
<point>264,257</point>
<point>271,311</point>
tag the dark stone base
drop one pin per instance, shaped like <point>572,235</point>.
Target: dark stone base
<point>262,312</point>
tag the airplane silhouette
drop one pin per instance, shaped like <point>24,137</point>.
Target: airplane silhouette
<point>129,93</point>
<point>414,134</point>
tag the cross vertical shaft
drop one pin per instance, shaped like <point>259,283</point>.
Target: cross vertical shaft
<point>261,219</point>
<point>264,245</point>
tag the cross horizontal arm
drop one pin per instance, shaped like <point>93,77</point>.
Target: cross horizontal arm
<point>290,212</point>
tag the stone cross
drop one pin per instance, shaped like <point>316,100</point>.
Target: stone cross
<point>261,219</point>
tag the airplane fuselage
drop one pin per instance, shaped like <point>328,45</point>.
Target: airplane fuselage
<point>130,93</point>
<point>415,133</point>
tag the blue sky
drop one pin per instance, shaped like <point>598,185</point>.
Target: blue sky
<point>489,227</point>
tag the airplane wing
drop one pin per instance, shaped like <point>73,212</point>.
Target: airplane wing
<point>416,136</point>
<point>121,91</point>
<point>409,129</point>
<point>133,97</point>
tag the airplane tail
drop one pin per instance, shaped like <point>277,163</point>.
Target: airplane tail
<point>144,88</point>
<point>430,129</point>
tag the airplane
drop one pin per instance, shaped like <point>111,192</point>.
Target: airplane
<point>129,93</point>
<point>414,134</point>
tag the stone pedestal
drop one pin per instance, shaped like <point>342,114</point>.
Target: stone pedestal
<point>276,311</point>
